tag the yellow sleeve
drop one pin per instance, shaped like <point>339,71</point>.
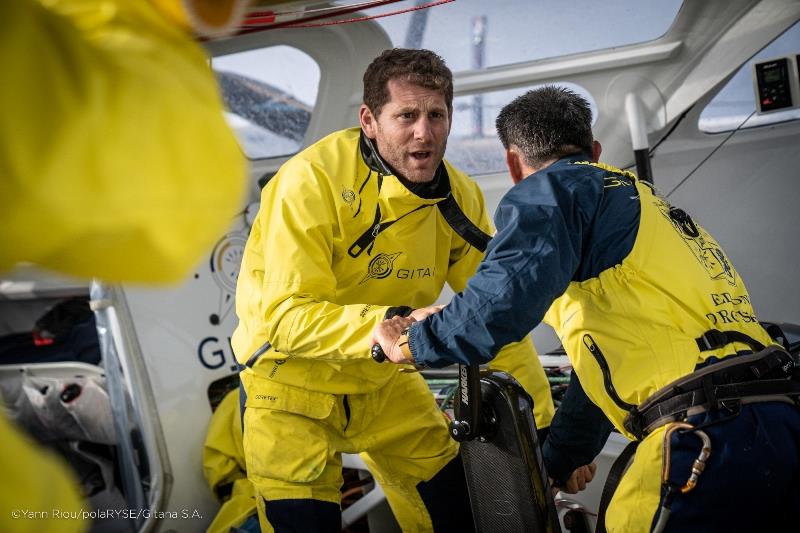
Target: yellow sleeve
<point>519,359</point>
<point>38,492</point>
<point>116,159</point>
<point>288,291</point>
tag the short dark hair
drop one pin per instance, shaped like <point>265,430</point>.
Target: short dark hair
<point>546,123</point>
<point>420,67</point>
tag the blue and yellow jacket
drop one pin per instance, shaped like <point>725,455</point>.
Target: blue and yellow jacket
<point>627,281</point>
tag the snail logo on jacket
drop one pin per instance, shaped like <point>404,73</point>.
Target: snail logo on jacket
<point>380,267</point>
<point>705,249</point>
<point>349,196</point>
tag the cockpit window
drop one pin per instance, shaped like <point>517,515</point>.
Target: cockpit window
<point>514,31</point>
<point>473,145</point>
<point>270,94</point>
<point>735,105</point>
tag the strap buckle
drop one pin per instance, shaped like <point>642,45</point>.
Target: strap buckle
<point>711,340</point>
<point>634,423</point>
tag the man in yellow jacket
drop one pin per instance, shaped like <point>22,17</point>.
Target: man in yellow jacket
<point>112,147</point>
<point>365,224</point>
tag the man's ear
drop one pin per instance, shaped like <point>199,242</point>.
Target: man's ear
<point>514,164</point>
<point>449,120</point>
<point>367,120</point>
<point>596,150</point>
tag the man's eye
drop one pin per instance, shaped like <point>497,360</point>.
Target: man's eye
<point>436,115</point>
<point>407,115</point>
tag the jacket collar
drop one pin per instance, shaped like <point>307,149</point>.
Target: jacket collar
<point>438,187</point>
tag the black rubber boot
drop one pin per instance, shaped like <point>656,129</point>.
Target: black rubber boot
<point>447,500</point>
<point>304,516</point>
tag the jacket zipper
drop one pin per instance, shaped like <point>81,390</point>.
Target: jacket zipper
<point>594,349</point>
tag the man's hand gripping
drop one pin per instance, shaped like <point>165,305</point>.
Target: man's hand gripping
<point>389,334</point>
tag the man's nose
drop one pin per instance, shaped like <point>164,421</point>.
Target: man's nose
<point>422,129</point>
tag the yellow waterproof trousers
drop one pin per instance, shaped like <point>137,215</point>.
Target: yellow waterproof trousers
<point>637,497</point>
<point>749,481</point>
<point>293,447</point>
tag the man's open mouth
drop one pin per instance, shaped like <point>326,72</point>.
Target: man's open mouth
<point>420,155</point>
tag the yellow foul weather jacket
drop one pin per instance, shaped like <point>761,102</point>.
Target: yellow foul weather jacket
<point>113,144</point>
<point>311,288</point>
<point>115,162</point>
<point>630,283</point>
<point>639,320</point>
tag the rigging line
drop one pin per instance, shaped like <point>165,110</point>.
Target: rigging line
<point>373,17</point>
<point>254,18</point>
<point>720,145</point>
<point>664,138</point>
<point>296,23</point>
<point>269,23</point>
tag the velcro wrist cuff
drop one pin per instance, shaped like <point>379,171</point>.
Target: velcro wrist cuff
<point>402,310</point>
<point>405,348</point>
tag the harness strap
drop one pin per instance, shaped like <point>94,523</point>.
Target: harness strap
<point>763,376</point>
<point>612,482</point>
<point>594,349</point>
<point>714,339</point>
<point>462,225</point>
<point>367,238</point>
<point>775,331</point>
<point>242,402</point>
<point>449,208</point>
<point>675,408</point>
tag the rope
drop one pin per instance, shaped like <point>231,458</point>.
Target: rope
<point>706,158</point>
<point>334,9</point>
<point>251,25</point>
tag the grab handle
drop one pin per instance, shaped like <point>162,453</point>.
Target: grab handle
<point>377,353</point>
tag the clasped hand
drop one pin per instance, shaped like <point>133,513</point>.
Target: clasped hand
<point>388,332</point>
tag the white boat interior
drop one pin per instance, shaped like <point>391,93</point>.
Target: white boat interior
<point>712,86</point>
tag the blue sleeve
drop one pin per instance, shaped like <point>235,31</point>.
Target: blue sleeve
<point>577,434</point>
<point>542,224</point>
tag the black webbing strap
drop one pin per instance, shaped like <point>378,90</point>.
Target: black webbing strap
<point>401,310</point>
<point>676,407</point>
<point>462,225</point>
<point>612,482</point>
<point>714,339</point>
<point>769,373</point>
<point>368,237</point>
<point>776,333</point>
<point>448,207</point>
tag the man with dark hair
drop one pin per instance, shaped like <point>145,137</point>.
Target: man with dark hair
<point>655,320</point>
<point>551,123</point>
<point>366,224</point>
<point>429,72</point>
